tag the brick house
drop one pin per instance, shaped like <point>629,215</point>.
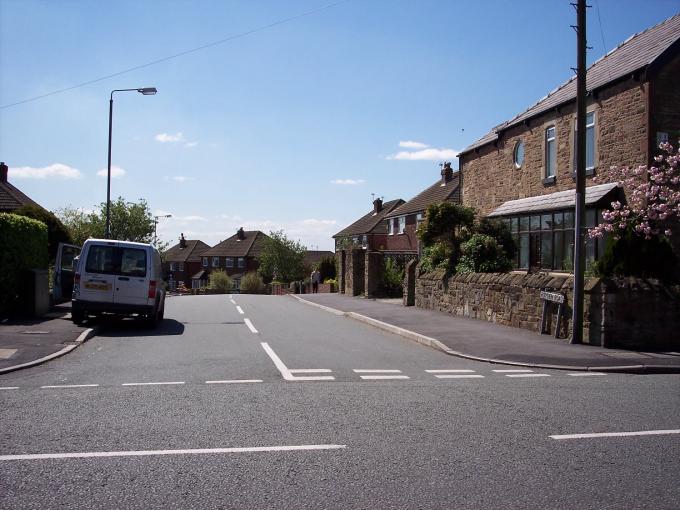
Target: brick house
<point>523,170</point>
<point>236,255</point>
<point>182,263</point>
<point>11,198</point>
<point>403,221</point>
<point>369,231</point>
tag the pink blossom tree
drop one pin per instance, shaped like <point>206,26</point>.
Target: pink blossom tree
<point>653,201</point>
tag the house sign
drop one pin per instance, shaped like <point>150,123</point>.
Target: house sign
<point>555,297</point>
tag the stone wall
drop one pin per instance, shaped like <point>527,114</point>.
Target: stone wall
<point>373,270</point>
<point>626,313</point>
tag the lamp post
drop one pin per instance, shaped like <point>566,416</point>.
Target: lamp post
<point>155,222</point>
<point>147,91</point>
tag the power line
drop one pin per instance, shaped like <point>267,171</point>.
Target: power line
<point>181,54</point>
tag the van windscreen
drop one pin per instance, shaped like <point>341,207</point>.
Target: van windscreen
<point>116,261</point>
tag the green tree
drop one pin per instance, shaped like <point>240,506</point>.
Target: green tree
<point>327,269</point>
<point>281,259</point>
<point>56,230</point>
<point>220,280</point>
<point>445,227</point>
<point>130,221</point>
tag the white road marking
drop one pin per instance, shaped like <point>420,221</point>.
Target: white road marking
<point>380,377</point>
<point>586,374</point>
<point>286,373</point>
<point>240,310</point>
<point>375,371</point>
<point>309,370</point>
<point>9,388</point>
<point>195,451</point>
<point>250,326</point>
<point>151,383</point>
<point>71,386</point>
<point>527,375</point>
<point>232,301</point>
<point>509,371</point>
<point>617,434</point>
<point>449,371</point>
<point>459,376</point>
<point>234,381</point>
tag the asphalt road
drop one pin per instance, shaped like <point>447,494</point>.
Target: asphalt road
<point>324,412</point>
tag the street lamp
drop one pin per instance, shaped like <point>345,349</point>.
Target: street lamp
<point>147,91</point>
<point>155,222</point>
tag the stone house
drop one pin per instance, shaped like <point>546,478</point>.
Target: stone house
<point>236,255</point>
<point>182,262</point>
<point>523,170</point>
<point>403,221</point>
<point>369,231</point>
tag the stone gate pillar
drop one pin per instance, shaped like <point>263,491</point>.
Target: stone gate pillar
<point>410,283</point>
<point>373,273</point>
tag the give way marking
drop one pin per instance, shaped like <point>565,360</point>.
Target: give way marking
<point>287,373</point>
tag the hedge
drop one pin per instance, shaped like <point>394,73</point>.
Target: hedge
<point>24,246</point>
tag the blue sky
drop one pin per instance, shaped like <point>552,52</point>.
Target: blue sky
<point>292,126</point>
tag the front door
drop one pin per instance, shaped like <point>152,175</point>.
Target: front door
<point>64,269</point>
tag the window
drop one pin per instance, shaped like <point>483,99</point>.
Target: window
<point>550,152</point>
<point>590,142</point>
<point>216,262</point>
<point>117,261</point>
<point>133,262</point>
<point>355,240</point>
<point>390,226</point>
<point>100,260</point>
<point>172,266</point>
<point>241,262</point>
<point>364,241</point>
<point>518,154</point>
<point>419,217</point>
<point>402,224</point>
<point>205,261</point>
<point>181,266</point>
<point>230,261</point>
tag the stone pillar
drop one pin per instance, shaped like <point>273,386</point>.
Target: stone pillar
<point>373,272</point>
<point>354,277</point>
<point>341,269</point>
<point>410,283</point>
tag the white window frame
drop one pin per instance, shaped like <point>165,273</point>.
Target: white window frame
<point>241,262</point>
<point>590,136</point>
<point>390,226</point>
<point>402,224</point>
<point>215,262</point>
<point>205,261</point>
<point>181,266</point>
<point>230,262</point>
<point>550,141</point>
<point>172,266</point>
<point>420,217</point>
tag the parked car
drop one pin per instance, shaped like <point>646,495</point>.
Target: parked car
<point>118,277</point>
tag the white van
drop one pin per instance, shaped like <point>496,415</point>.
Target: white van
<point>118,277</point>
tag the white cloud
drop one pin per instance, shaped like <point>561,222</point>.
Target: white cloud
<point>348,182</point>
<point>191,144</point>
<point>178,178</point>
<point>425,155</point>
<point>410,144</point>
<point>55,170</point>
<point>116,172</point>
<point>167,138</point>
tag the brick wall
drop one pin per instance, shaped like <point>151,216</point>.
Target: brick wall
<point>627,312</point>
<point>490,177</point>
<point>408,241</point>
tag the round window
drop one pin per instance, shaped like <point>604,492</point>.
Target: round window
<point>518,154</point>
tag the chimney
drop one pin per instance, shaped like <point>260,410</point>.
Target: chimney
<point>182,241</point>
<point>447,173</point>
<point>377,205</point>
<point>3,172</point>
<point>240,234</point>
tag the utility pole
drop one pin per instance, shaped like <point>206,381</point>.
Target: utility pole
<point>580,203</point>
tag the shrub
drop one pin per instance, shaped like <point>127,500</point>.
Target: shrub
<point>56,231</point>
<point>500,232</point>
<point>327,268</point>
<point>446,225</point>
<point>482,254</point>
<point>251,283</point>
<point>23,243</point>
<point>436,256</point>
<point>393,278</point>
<point>332,281</point>
<point>219,280</point>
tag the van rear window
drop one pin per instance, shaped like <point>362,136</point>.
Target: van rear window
<point>117,261</point>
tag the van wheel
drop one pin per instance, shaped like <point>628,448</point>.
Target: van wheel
<point>77,316</point>
<point>161,314</point>
<point>151,320</point>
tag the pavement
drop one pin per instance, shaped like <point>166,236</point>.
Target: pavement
<point>29,342</point>
<point>485,341</point>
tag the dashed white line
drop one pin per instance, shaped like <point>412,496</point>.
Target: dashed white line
<point>70,386</point>
<point>194,451</point>
<point>250,326</point>
<point>459,376</point>
<point>450,371</point>
<point>9,388</point>
<point>309,370</point>
<point>165,383</point>
<point>617,434</point>
<point>382,377</point>
<point>286,373</point>
<point>240,310</point>
<point>235,381</point>
<point>527,375</point>
<point>586,374</point>
<point>232,301</point>
<point>512,371</point>
<point>375,371</point>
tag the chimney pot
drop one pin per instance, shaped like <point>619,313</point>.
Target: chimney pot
<point>182,241</point>
<point>447,173</point>
<point>377,205</point>
<point>3,172</point>
<point>240,233</point>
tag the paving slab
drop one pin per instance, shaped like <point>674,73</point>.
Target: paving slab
<point>488,341</point>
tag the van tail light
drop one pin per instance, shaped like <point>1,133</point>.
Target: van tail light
<point>76,278</point>
<point>152,289</point>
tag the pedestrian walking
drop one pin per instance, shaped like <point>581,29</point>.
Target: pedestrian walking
<point>316,276</point>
